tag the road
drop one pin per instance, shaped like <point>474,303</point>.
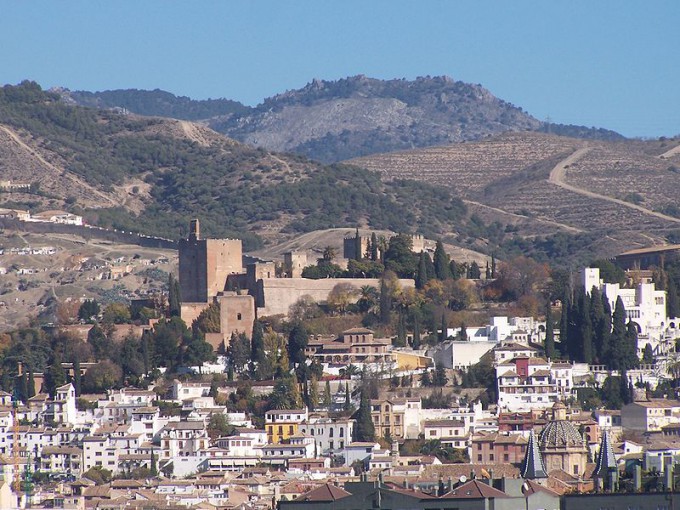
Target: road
<point>558,175</point>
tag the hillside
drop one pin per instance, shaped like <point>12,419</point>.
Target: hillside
<point>152,175</point>
<point>595,195</point>
<point>330,121</point>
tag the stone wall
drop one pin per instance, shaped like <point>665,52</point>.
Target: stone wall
<point>276,295</point>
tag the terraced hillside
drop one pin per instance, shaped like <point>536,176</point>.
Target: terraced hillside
<point>622,194</point>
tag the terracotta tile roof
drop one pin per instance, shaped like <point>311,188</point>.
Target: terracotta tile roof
<point>324,493</point>
<point>474,489</point>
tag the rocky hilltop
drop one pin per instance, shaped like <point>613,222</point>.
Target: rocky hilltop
<point>332,121</point>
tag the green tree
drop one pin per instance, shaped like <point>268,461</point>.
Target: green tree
<point>586,332</point>
<point>174,297</point>
<point>297,343</point>
<point>443,328</point>
<point>363,428</point>
<point>441,262</point>
<point>257,343</point>
<point>31,384</point>
<point>327,397</point>
<point>618,337</point>
<point>474,273</point>
<point>399,256</point>
<point>348,398</point>
<point>77,377</point>
<point>101,377</point>
<point>374,247</point>
<point>550,351</point>
<point>116,313</point>
<point>168,336</point>
<point>89,311</point>
<point>357,246</point>
<point>286,394</point>
<point>208,321</point>
<point>648,355</point>
<point>54,377</point>
<point>313,400</point>
<point>197,351</point>
<point>239,351</point>
<point>439,378</point>
<point>672,301</point>
<point>421,274</point>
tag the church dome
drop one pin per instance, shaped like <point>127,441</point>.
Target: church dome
<point>560,434</point>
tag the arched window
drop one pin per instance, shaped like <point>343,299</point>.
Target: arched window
<point>330,432</point>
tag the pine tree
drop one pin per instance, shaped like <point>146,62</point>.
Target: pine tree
<point>549,332</point>
<point>439,378</point>
<point>441,262</point>
<point>364,429</point>
<point>55,376</point>
<point>425,379</point>
<point>672,301</point>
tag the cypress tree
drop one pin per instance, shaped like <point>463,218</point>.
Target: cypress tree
<point>585,328</point>
<point>672,302</point>
<point>348,398</point>
<point>154,467</point>
<point>416,330</point>
<point>401,331</point>
<point>421,275</point>
<point>618,337</point>
<point>374,247</point>
<point>257,343</point>
<point>174,298</point>
<point>631,359</point>
<point>605,329</point>
<point>444,327</point>
<point>313,393</point>
<point>487,274</point>
<point>564,324</point>
<point>596,317</point>
<point>357,246</point>
<point>453,269</point>
<point>77,379</point>
<point>364,429</point>
<point>31,384</point>
<point>474,273</point>
<point>385,302</point>
<point>429,267</point>
<point>20,388</point>
<point>462,336</point>
<point>55,376</point>
<point>574,344</point>
<point>493,265</point>
<point>327,398</point>
<point>549,333</point>
<point>441,262</point>
<point>147,354</point>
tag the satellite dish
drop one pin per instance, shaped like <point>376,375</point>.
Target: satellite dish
<point>462,479</point>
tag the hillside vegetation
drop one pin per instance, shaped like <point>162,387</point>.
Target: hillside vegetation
<point>179,171</point>
<point>331,121</point>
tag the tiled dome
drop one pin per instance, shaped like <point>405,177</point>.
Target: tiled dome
<point>559,434</point>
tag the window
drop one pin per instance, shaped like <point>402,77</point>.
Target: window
<point>330,432</point>
<point>575,469</point>
<point>491,458</point>
<point>238,316</point>
<point>433,432</point>
<point>479,458</point>
<point>506,458</point>
<point>342,432</point>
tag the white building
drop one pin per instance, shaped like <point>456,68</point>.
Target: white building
<point>330,435</point>
<point>645,307</point>
<point>532,383</point>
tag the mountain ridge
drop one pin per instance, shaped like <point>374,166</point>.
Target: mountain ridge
<point>335,120</point>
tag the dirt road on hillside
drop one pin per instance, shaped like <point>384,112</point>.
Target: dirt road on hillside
<point>55,169</point>
<point>558,176</point>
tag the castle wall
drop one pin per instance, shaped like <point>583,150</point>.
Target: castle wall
<point>189,312</point>
<point>278,294</point>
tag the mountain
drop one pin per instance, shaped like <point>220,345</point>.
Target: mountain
<point>331,121</point>
<point>152,175</point>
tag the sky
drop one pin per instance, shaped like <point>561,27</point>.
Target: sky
<point>611,64</point>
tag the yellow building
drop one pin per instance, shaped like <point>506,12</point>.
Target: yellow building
<point>281,424</point>
<point>411,360</point>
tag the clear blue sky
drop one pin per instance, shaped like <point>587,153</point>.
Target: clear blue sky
<point>613,64</point>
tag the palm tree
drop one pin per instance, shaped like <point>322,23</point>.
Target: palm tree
<point>369,298</point>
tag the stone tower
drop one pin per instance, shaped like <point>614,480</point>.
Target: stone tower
<point>204,264</point>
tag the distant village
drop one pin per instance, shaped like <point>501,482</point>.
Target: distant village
<point>547,413</point>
